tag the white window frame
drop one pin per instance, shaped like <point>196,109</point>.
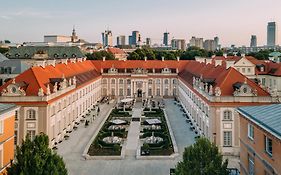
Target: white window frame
<point>267,146</point>
<point>251,133</point>
<point>227,139</point>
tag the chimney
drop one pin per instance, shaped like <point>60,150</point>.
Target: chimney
<point>178,58</point>
<point>208,61</point>
<point>225,55</point>
<point>51,62</point>
<point>229,64</point>
<point>79,59</point>
<point>145,58</point>
<point>103,58</point>
<point>64,61</point>
<point>213,56</point>
<point>218,62</point>
<point>163,58</point>
<point>243,55</point>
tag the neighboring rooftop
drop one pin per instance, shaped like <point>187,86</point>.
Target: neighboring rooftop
<point>52,52</point>
<point>6,107</point>
<point>268,117</point>
<point>17,66</point>
<point>2,57</point>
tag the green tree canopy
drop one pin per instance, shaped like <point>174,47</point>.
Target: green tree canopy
<point>202,158</point>
<point>99,55</point>
<point>35,157</point>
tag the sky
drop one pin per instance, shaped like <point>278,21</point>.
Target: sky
<point>233,21</point>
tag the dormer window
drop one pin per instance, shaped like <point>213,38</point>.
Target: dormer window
<point>8,55</point>
<point>56,55</point>
<point>17,55</point>
<point>26,55</point>
<point>262,69</point>
<point>73,56</point>
<point>64,55</point>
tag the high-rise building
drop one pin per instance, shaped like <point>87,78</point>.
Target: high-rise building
<point>253,41</point>
<point>271,34</point>
<point>210,45</point>
<point>178,44</point>
<point>148,42</point>
<point>166,38</point>
<point>135,37</point>
<point>130,40</point>
<point>217,45</point>
<point>121,40</point>
<point>107,38</point>
<point>196,42</point>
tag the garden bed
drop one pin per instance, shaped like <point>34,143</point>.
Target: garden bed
<point>163,148</point>
<point>101,148</point>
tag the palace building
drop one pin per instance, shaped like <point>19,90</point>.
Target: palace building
<point>52,98</point>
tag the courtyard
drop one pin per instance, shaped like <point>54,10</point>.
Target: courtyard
<point>72,149</point>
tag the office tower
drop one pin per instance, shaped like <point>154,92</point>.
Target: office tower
<point>166,38</point>
<point>107,38</point>
<point>253,41</point>
<point>210,45</point>
<point>135,37</point>
<point>130,40</point>
<point>271,34</point>
<point>121,40</point>
<point>148,42</point>
<point>178,44</point>
<point>217,45</point>
<point>196,42</point>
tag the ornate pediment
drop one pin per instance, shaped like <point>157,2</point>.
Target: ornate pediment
<point>166,71</point>
<point>244,90</point>
<point>139,71</point>
<point>13,90</point>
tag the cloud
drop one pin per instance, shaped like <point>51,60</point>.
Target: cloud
<point>5,17</point>
<point>27,13</point>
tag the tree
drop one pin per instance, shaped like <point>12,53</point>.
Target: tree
<point>3,50</point>
<point>35,157</point>
<point>202,158</point>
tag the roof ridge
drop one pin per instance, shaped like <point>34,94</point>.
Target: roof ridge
<point>36,78</point>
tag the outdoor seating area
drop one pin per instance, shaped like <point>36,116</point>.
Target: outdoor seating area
<point>85,120</point>
<point>193,125</point>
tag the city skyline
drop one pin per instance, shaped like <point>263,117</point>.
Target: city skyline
<point>232,22</point>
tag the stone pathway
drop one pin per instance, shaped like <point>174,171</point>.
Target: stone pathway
<point>71,150</point>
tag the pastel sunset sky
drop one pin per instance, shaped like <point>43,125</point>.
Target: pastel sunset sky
<point>233,21</point>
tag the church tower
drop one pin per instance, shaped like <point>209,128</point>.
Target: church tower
<point>74,37</point>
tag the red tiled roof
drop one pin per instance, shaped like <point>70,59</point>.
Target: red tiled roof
<point>114,50</point>
<point>149,64</point>
<point>38,77</point>
<point>221,77</point>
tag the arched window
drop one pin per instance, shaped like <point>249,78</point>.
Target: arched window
<point>112,81</point>
<point>157,81</point>
<point>128,81</point>
<point>150,81</point>
<point>120,81</point>
<point>166,81</point>
<point>174,81</point>
<point>227,115</point>
<point>31,114</point>
<point>104,81</point>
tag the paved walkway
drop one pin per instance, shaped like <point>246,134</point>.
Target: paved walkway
<point>134,132</point>
<point>72,150</point>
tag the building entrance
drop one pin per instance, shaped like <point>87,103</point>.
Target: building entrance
<point>139,93</point>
